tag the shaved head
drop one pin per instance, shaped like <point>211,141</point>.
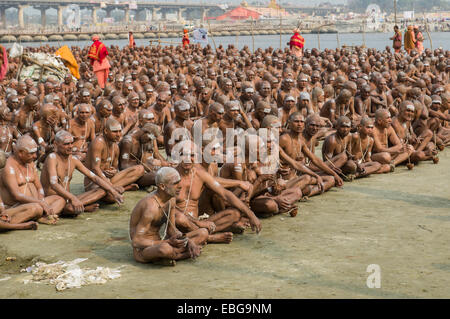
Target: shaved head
<point>63,136</point>
<point>113,125</point>
<point>167,175</point>
<point>26,143</point>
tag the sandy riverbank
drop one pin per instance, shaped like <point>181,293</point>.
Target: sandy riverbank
<point>399,221</point>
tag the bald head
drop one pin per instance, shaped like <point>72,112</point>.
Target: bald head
<point>344,121</point>
<point>366,121</point>
<point>31,100</point>
<point>113,125</point>
<point>48,110</point>
<point>381,114</point>
<point>26,143</point>
<point>63,137</point>
<point>217,107</point>
<point>270,121</point>
<point>314,117</point>
<point>167,175</point>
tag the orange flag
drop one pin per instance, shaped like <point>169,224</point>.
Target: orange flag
<point>69,60</point>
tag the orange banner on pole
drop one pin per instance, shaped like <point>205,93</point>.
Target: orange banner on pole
<point>69,60</point>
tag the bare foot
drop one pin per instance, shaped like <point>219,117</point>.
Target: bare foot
<point>239,227</point>
<point>47,220</point>
<point>165,262</point>
<point>91,208</point>
<point>225,238</point>
<point>131,187</point>
<point>293,211</point>
<point>245,222</point>
<point>29,225</point>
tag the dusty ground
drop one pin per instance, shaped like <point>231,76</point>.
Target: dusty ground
<point>400,221</point>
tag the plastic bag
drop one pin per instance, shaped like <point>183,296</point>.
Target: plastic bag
<point>16,50</point>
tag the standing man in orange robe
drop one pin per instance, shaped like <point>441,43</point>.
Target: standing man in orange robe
<point>297,43</point>
<point>185,39</point>
<point>131,43</point>
<point>3,62</point>
<point>99,62</point>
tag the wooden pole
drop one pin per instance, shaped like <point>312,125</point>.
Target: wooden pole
<point>281,23</point>
<point>212,37</point>
<point>159,30</point>
<point>337,38</point>
<point>428,32</point>
<point>364,32</point>
<point>318,37</point>
<point>395,11</point>
<point>253,37</point>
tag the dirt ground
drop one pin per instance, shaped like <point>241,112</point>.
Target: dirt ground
<point>399,221</point>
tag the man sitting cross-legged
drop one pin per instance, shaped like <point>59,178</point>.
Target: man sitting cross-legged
<point>336,148</point>
<point>57,173</point>
<point>361,150</point>
<point>156,211</point>
<point>194,178</point>
<point>294,152</point>
<point>19,184</point>
<point>103,159</point>
<point>141,147</point>
<point>21,217</point>
<point>424,149</point>
<point>383,136</point>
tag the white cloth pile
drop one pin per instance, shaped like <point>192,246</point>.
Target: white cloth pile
<point>66,275</point>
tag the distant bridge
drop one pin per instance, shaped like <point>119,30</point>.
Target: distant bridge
<point>183,10</point>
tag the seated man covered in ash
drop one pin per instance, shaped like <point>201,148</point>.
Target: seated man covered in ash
<point>103,160</point>
<point>57,173</point>
<point>19,184</point>
<point>157,211</point>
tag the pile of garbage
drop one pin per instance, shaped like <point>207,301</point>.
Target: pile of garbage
<point>39,66</point>
<point>66,275</point>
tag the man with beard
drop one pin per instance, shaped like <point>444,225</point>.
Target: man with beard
<point>265,93</point>
<point>246,97</point>
<point>363,105</point>
<point>156,211</point>
<point>234,118</point>
<point>208,127</point>
<point>194,178</point>
<point>8,133</point>
<point>44,130</point>
<point>161,110</point>
<point>361,150</point>
<point>225,89</point>
<point>179,128</point>
<point>424,149</point>
<point>82,129</point>
<point>296,155</point>
<point>261,110</point>
<point>141,147</point>
<point>336,148</point>
<point>103,159</point>
<point>103,112</point>
<point>57,173</point>
<point>118,113</point>
<point>19,184</point>
<point>384,135</point>
<point>287,88</point>
<point>25,115</point>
